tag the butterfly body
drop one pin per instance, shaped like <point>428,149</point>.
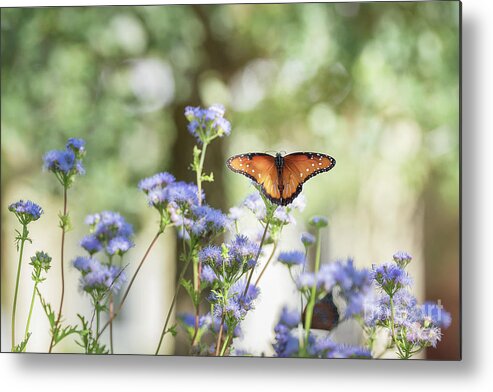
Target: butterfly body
<point>281,178</point>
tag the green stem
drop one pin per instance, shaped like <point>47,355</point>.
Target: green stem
<point>311,303</point>
<point>392,326</point>
<point>14,306</point>
<point>57,326</point>
<point>199,173</point>
<point>30,311</point>
<point>274,248</point>
<point>219,336</point>
<point>161,230</point>
<point>225,345</point>
<point>264,235</point>
<point>173,302</point>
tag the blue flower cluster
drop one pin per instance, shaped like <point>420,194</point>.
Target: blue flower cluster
<point>229,262</point>
<point>207,124</point>
<point>353,284</point>
<point>110,232</point>
<point>98,278</point>
<point>416,326</point>
<point>26,211</point>
<point>292,258</point>
<point>66,164</point>
<point>287,341</point>
<point>390,277</point>
<point>235,304</point>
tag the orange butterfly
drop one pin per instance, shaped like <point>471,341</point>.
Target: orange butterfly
<point>281,178</point>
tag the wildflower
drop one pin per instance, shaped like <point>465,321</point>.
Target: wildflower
<point>207,274</point>
<point>286,341</point>
<point>157,181</point>
<point>390,277</point>
<point>306,280</point>
<point>242,251</point>
<point>91,244</point>
<point>77,146</point>
<point>307,239</point>
<point>41,261</point>
<point>97,276</point>
<point>203,222</point>
<point>255,204</point>
<point>207,124</point>
<point>26,211</point>
<point>235,213</point>
<point>292,258</point>
<point>66,164</point>
<point>319,221</point>
<point>119,246</point>
<point>109,231</point>
<point>436,315</point>
<point>211,255</point>
<point>402,259</point>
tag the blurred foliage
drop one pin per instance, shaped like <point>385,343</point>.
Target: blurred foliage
<point>363,82</point>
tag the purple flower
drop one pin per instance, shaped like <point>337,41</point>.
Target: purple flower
<point>390,277</point>
<point>109,231</point>
<point>207,124</point>
<point>235,213</point>
<point>292,258</point>
<point>83,264</point>
<point>256,205</point>
<point>66,163</point>
<point>242,251</point>
<point>319,221</point>
<point>289,318</point>
<point>306,280</point>
<point>26,211</point>
<point>119,246</point>
<point>307,239</point>
<point>203,222</point>
<point>435,314</point>
<point>91,244</point>
<point>188,320</point>
<point>76,145</point>
<point>207,274</point>
<point>157,181</point>
<point>211,255</point>
<point>96,276</point>
<point>402,259</point>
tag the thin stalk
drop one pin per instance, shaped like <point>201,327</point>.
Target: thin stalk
<point>219,336</point>
<point>30,310</point>
<point>132,281</point>
<point>274,248</point>
<point>111,304</point>
<point>392,326</point>
<point>311,303</point>
<point>199,173</point>
<point>225,345</point>
<point>19,264</point>
<point>62,270</point>
<point>258,254</point>
<point>173,302</point>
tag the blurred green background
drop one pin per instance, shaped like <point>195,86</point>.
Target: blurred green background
<point>375,85</point>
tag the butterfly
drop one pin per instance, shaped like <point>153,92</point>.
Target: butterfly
<point>281,178</point>
<point>325,314</point>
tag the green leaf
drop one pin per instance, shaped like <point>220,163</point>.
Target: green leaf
<point>21,347</point>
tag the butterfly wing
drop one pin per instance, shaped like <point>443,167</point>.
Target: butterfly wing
<point>260,168</point>
<point>300,167</point>
<point>325,314</point>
